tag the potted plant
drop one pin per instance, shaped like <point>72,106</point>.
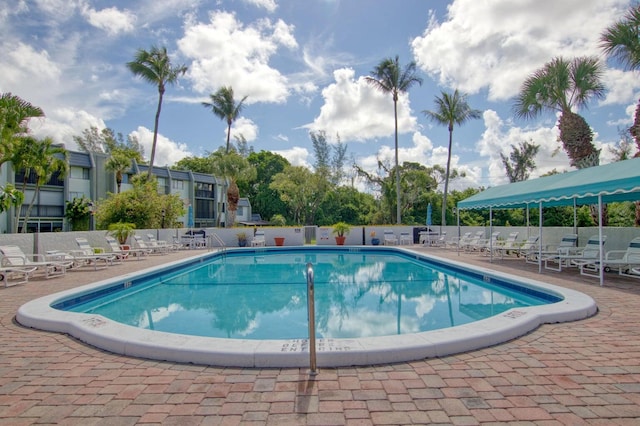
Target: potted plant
<point>242,239</point>
<point>340,229</point>
<point>121,231</point>
<point>374,240</point>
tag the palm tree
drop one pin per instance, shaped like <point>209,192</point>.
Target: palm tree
<point>560,86</point>
<point>389,77</point>
<point>621,41</point>
<point>15,114</point>
<point>155,67</point>
<point>118,163</point>
<point>233,167</point>
<point>224,106</point>
<point>451,109</point>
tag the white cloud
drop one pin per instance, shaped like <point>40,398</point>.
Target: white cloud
<point>111,20</point>
<point>168,152</point>
<point>297,156</point>
<point>498,44</point>
<point>62,124</point>
<point>245,127</point>
<point>226,52</point>
<point>357,111</point>
<point>622,86</point>
<point>269,5</point>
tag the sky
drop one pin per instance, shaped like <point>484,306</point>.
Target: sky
<point>302,66</point>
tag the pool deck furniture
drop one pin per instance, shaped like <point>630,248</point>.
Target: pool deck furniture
<point>124,251</point>
<point>86,256</point>
<point>574,256</point>
<point>567,242</point>
<point>258,239</point>
<point>405,238</point>
<point>139,243</point>
<point>8,274</point>
<point>389,238</point>
<point>623,261</point>
<point>14,257</point>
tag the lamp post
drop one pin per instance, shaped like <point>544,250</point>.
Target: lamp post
<point>163,215</point>
<point>92,210</point>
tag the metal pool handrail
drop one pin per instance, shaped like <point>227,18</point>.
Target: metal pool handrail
<point>312,320</point>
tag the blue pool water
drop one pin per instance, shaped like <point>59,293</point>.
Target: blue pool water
<point>261,294</point>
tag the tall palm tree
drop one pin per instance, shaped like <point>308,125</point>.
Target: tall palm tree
<point>155,67</point>
<point>389,77</point>
<point>562,86</point>
<point>451,109</point>
<point>621,41</point>
<point>224,106</point>
<point>15,114</point>
<point>118,163</point>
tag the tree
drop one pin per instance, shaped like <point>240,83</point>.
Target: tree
<point>39,160</point>
<point>302,190</point>
<point>118,163</point>
<point>389,77</point>
<point>265,200</point>
<point>521,161</point>
<point>331,166</point>
<point>451,109</point>
<point>15,114</point>
<point>224,106</point>
<point>155,67</point>
<point>234,167</point>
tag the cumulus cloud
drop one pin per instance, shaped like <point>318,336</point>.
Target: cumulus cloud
<point>357,111</point>
<point>168,152</point>
<point>297,156</point>
<point>226,52</point>
<point>112,20</point>
<point>497,44</point>
<point>269,5</point>
<point>245,127</point>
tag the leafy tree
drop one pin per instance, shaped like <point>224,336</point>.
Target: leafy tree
<point>451,109</point>
<point>10,196</point>
<point>327,164</point>
<point>142,206</point>
<point>302,190</point>
<point>118,163</point>
<point>15,114</point>
<point>389,77</point>
<point>40,159</point>
<point>265,200</point>
<point>521,161</point>
<point>154,66</point>
<point>195,164</point>
<point>78,212</point>
<point>235,168</point>
<point>224,106</point>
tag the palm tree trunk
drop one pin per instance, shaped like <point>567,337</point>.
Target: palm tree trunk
<point>155,132</point>
<point>398,209</point>
<point>228,134</point>
<point>446,181</point>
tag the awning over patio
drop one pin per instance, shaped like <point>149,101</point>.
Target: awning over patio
<point>613,182</point>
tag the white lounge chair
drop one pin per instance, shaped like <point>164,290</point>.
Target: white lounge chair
<point>86,256</point>
<point>405,238</point>
<point>389,238</point>
<point>475,240</point>
<point>458,242</point>
<point>139,243</point>
<point>623,261</point>
<point>125,253</point>
<point>567,242</point>
<point>439,241</point>
<point>161,244</point>
<point>258,239</point>
<point>520,249</point>
<point>571,256</point>
<point>14,258</point>
<point>502,247</point>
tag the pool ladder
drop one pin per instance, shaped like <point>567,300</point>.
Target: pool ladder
<point>312,320</point>
<point>223,247</point>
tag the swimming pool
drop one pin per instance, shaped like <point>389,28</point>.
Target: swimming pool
<point>391,329</point>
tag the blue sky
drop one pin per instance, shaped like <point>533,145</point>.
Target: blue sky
<point>302,65</point>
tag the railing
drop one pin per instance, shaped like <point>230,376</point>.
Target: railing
<point>312,320</point>
<point>219,240</point>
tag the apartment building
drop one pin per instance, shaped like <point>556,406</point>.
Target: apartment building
<point>204,195</point>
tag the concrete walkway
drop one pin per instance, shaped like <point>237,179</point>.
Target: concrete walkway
<point>585,372</point>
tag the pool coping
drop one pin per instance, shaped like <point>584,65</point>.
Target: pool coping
<point>131,341</point>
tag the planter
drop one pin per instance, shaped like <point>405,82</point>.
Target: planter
<point>375,241</point>
<point>279,241</point>
<point>340,240</point>
<point>242,243</point>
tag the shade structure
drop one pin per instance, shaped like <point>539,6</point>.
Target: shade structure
<point>429,209</point>
<point>612,182</point>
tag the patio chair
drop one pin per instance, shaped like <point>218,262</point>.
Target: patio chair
<point>567,242</point>
<point>440,241</point>
<point>15,260</point>
<point>520,249</point>
<point>123,253</point>
<point>161,244</point>
<point>623,261</point>
<point>192,240</point>
<point>474,242</point>
<point>571,255</point>
<point>389,238</point>
<point>86,256</point>
<point>405,238</point>
<point>258,239</point>
<point>139,243</point>
<point>503,247</point>
<point>458,242</point>
<point>20,273</point>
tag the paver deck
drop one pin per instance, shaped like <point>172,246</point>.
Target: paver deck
<point>584,372</point>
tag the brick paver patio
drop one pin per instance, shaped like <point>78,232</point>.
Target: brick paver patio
<point>585,372</point>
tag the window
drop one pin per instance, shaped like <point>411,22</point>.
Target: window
<point>177,184</point>
<point>79,173</point>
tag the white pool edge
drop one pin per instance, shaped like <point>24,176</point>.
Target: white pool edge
<point>131,341</point>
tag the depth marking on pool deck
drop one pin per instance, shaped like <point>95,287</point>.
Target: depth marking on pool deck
<point>324,345</point>
<point>94,322</point>
<point>514,314</point>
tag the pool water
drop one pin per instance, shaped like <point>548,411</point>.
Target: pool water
<point>262,295</point>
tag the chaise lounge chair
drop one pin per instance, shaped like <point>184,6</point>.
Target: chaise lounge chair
<point>141,244</point>
<point>574,256</point>
<point>15,260</point>
<point>125,253</point>
<point>567,242</point>
<point>86,256</point>
<point>624,261</point>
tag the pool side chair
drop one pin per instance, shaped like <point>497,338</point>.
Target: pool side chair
<point>506,247</point>
<point>125,253</point>
<point>575,256</point>
<point>22,274</point>
<point>161,244</point>
<point>521,249</point>
<point>85,255</point>
<point>474,242</point>
<point>405,238</point>
<point>622,261</point>
<point>440,241</point>
<point>389,238</point>
<point>139,243</point>
<point>14,258</point>
<point>258,239</point>
<point>568,242</point>
<point>456,242</point>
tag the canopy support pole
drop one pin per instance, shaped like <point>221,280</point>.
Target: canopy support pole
<point>601,264</point>
<point>540,237</point>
